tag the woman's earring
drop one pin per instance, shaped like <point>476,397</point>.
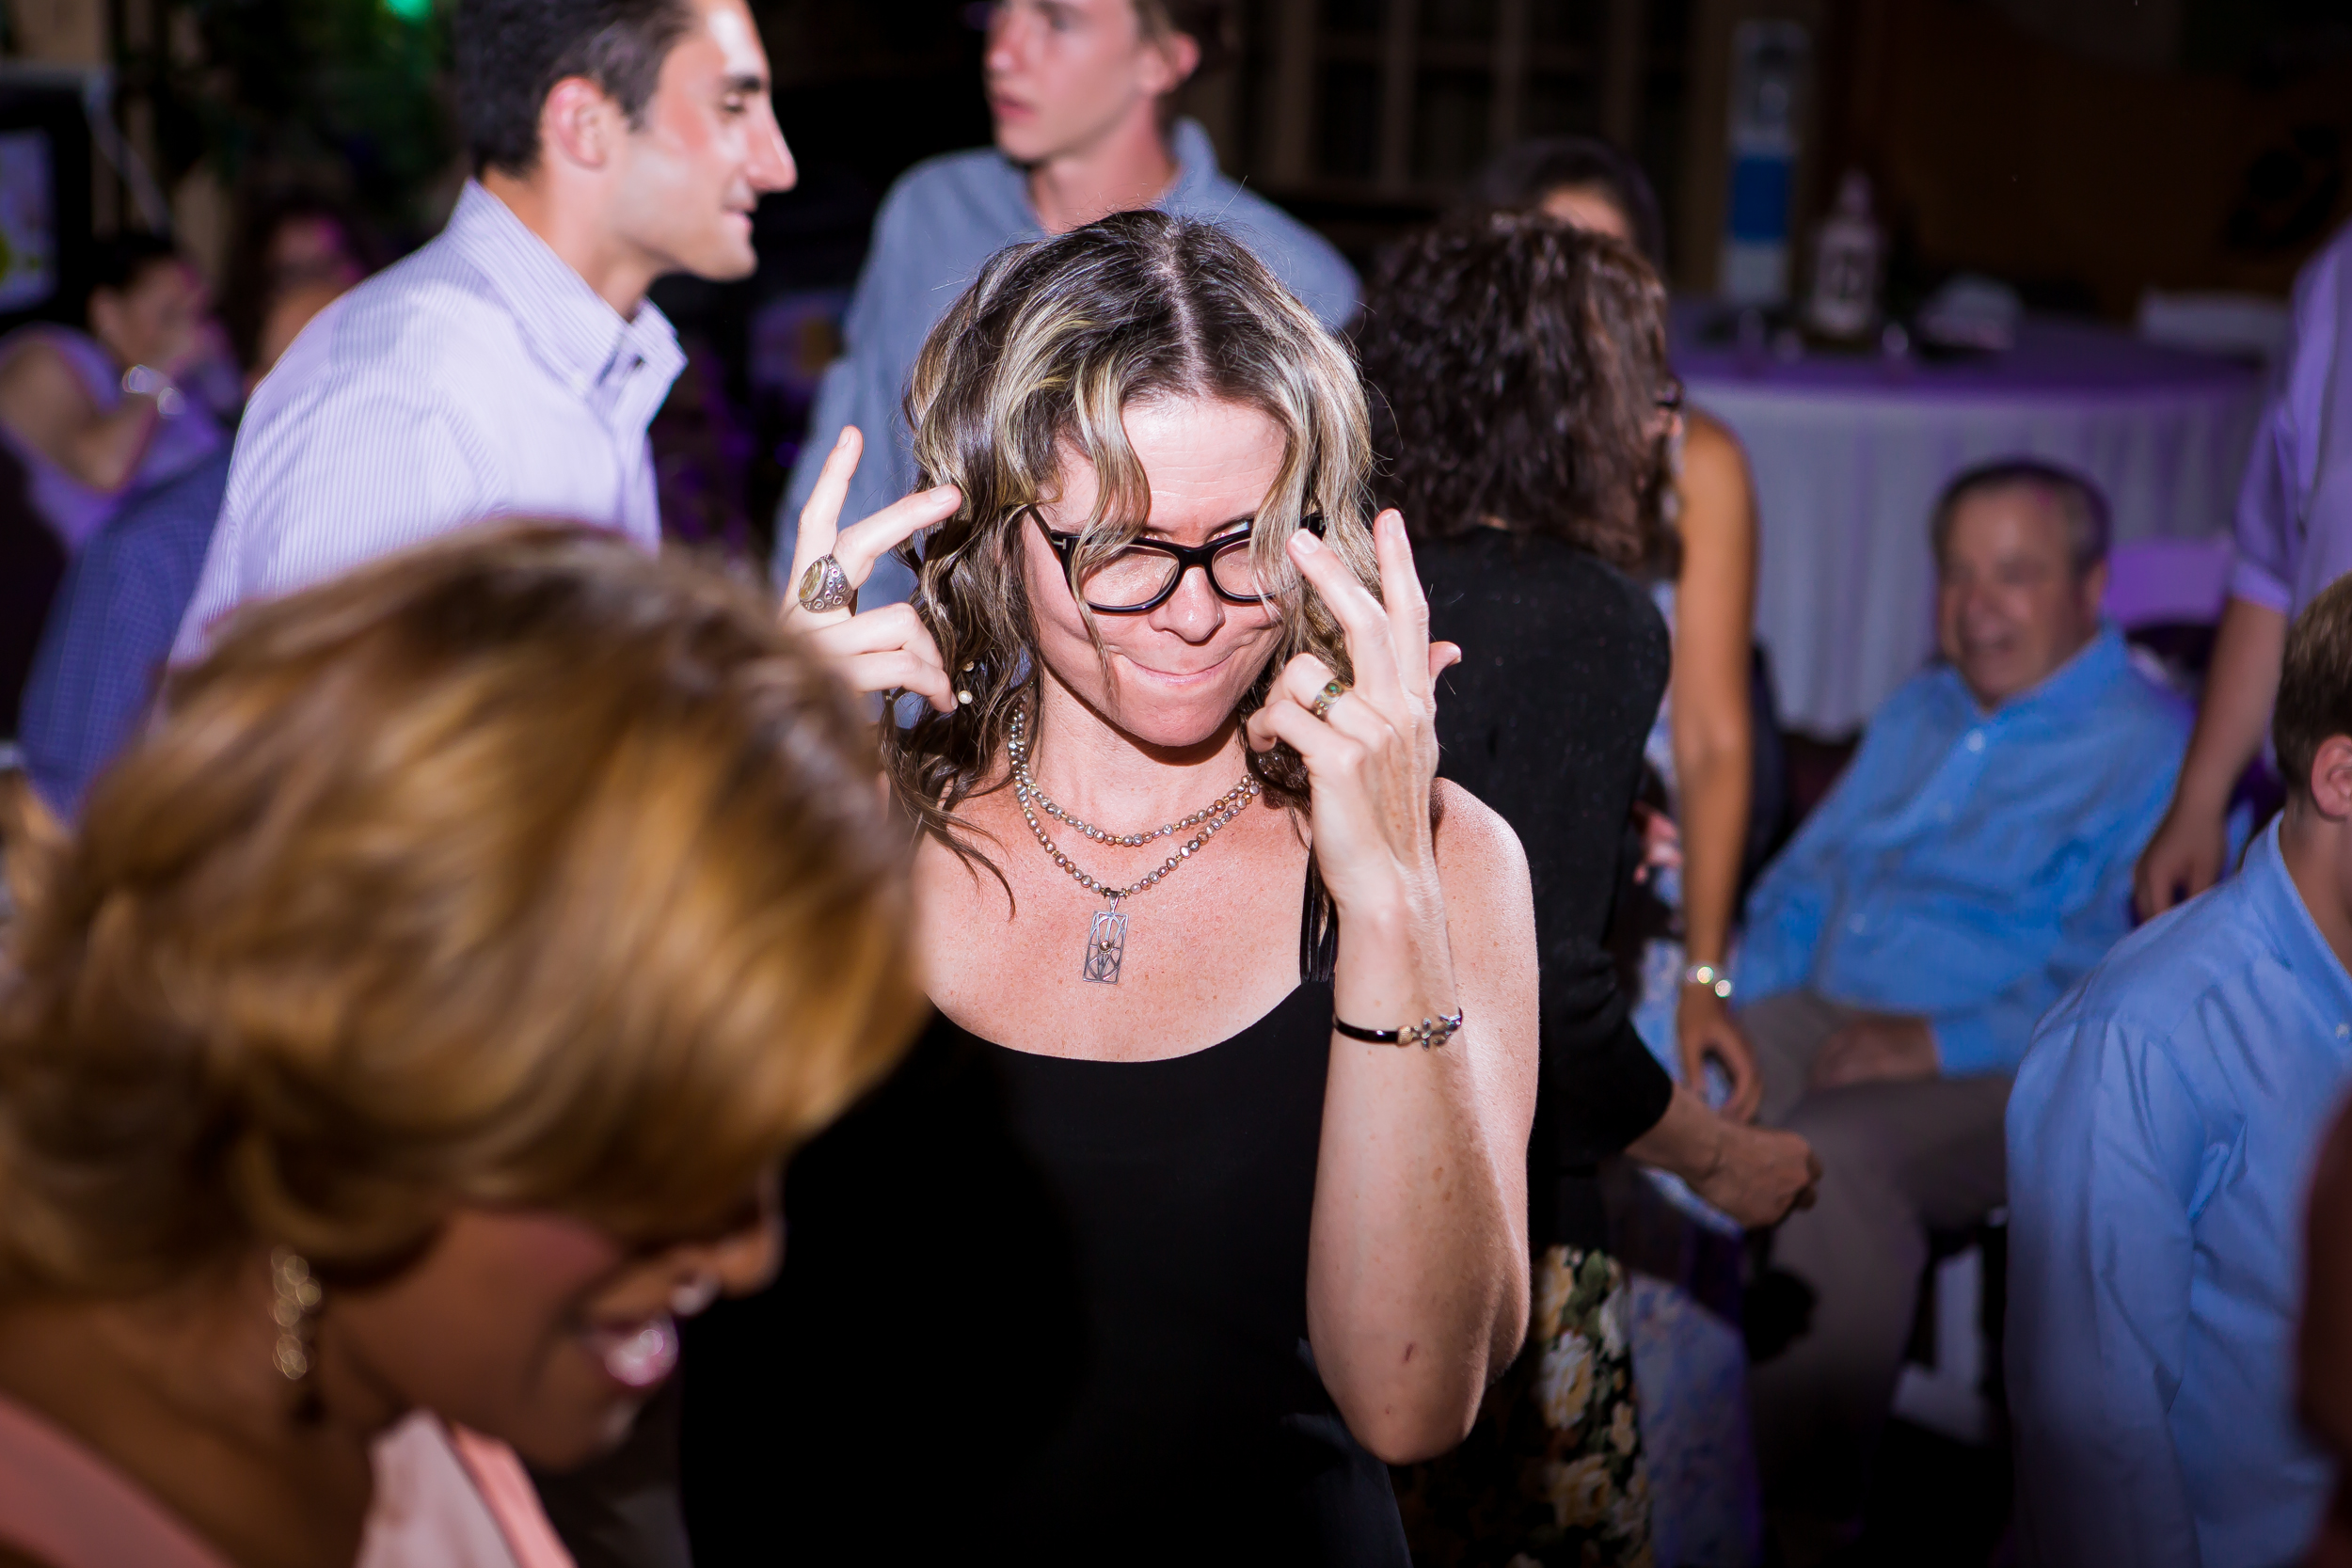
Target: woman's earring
<point>298,1296</point>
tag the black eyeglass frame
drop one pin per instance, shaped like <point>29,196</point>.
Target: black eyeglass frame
<point>1065,546</point>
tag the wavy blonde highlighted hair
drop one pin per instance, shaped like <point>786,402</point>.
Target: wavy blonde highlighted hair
<point>520,870</point>
<point>1040,358</point>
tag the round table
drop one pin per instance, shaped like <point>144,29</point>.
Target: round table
<point>1850,453</point>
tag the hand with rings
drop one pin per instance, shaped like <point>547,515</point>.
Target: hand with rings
<point>883,649</point>
<point>1371,747</point>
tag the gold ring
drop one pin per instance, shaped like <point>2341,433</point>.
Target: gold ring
<point>1328,698</point>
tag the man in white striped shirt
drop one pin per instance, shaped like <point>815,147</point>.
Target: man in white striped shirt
<point>513,365</point>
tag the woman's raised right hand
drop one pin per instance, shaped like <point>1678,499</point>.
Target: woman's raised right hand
<point>885,649</point>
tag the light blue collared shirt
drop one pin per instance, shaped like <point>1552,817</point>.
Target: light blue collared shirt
<point>2160,1138</point>
<point>482,377</point>
<point>1969,865</point>
<point>940,222</point>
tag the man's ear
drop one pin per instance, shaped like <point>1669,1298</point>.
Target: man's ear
<point>1171,62</point>
<point>2331,778</point>
<point>579,124</point>
<point>2093,588</point>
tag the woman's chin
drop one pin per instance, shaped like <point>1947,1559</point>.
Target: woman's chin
<point>1174,721</point>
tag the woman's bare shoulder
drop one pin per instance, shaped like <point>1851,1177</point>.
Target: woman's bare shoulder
<point>1718,494</point>
<point>1474,844</point>
<point>34,368</point>
<point>1711,454</point>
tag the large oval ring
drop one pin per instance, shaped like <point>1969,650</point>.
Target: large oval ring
<point>1329,697</point>
<point>826,587</point>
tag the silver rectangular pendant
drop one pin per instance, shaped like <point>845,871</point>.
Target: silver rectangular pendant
<point>1106,947</point>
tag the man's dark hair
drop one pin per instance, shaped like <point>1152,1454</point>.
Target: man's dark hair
<point>511,53</point>
<point>1524,175</point>
<point>2314,686</point>
<point>1208,23</point>
<point>1517,367</point>
<point>2080,503</point>
<point>121,260</point>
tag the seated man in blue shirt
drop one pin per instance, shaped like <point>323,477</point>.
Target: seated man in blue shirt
<point>1079,91</point>
<point>2161,1140</point>
<point>1973,862</point>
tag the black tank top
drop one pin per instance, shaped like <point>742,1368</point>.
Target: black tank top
<point>1046,1310</point>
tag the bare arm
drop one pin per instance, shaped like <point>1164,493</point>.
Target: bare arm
<point>1753,1174</point>
<point>45,403</point>
<point>1713,746</point>
<point>2185,857</point>
<point>1416,1282</point>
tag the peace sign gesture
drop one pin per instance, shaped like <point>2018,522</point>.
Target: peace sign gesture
<point>883,649</point>
<point>1370,749</point>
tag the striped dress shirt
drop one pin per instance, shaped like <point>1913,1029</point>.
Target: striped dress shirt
<point>482,377</point>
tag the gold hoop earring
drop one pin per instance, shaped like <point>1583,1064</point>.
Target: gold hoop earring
<point>298,1296</point>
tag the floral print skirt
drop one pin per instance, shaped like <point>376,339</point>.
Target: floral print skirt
<point>1552,1475</point>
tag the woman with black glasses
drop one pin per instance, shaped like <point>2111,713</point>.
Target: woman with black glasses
<point>1204,1195</point>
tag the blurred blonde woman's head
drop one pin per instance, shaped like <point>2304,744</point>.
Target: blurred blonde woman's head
<point>519,882</point>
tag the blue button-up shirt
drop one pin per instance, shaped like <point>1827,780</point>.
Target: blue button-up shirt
<point>111,629</point>
<point>940,222</point>
<point>482,377</point>
<point>1970,866</point>
<point>2160,1138</point>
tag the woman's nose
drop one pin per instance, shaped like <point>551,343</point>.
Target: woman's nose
<point>1193,611</point>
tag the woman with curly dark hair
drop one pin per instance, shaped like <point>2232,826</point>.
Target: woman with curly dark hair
<point>1526,415</point>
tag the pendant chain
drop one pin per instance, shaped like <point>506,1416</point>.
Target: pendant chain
<point>1032,801</point>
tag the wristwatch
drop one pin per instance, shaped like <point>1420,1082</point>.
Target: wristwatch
<point>146,381</point>
<point>1715,979</point>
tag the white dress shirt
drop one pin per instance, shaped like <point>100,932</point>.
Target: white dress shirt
<point>480,378</point>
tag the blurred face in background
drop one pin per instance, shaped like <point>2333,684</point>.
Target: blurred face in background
<point>1590,208</point>
<point>1062,75</point>
<point>312,249</point>
<point>158,321</point>
<point>687,179</point>
<point>2010,607</point>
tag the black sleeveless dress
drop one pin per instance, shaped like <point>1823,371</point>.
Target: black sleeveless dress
<point>1042,1311</point>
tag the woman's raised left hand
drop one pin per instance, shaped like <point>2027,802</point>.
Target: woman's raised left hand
<point>1372,756</point>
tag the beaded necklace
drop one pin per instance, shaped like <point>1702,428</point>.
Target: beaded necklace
<point>1106,938</point>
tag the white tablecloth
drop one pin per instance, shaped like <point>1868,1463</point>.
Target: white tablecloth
<point>1850,453</point>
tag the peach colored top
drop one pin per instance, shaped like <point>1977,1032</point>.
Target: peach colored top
<point>62,1505</point>
<point>445,1498</point>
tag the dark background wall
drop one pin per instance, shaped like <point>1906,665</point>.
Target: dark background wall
<point>2085,151</point>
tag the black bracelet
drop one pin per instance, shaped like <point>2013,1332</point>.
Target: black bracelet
<point>1429,1031</point>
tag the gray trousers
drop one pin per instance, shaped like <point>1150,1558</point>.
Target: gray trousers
<point>1897,1160</point>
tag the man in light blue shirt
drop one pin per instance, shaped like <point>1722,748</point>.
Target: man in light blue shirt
<point>1974,861</point>
<point>1078,92</point>
<point>511,367</point>
<point>2161,1141</point>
